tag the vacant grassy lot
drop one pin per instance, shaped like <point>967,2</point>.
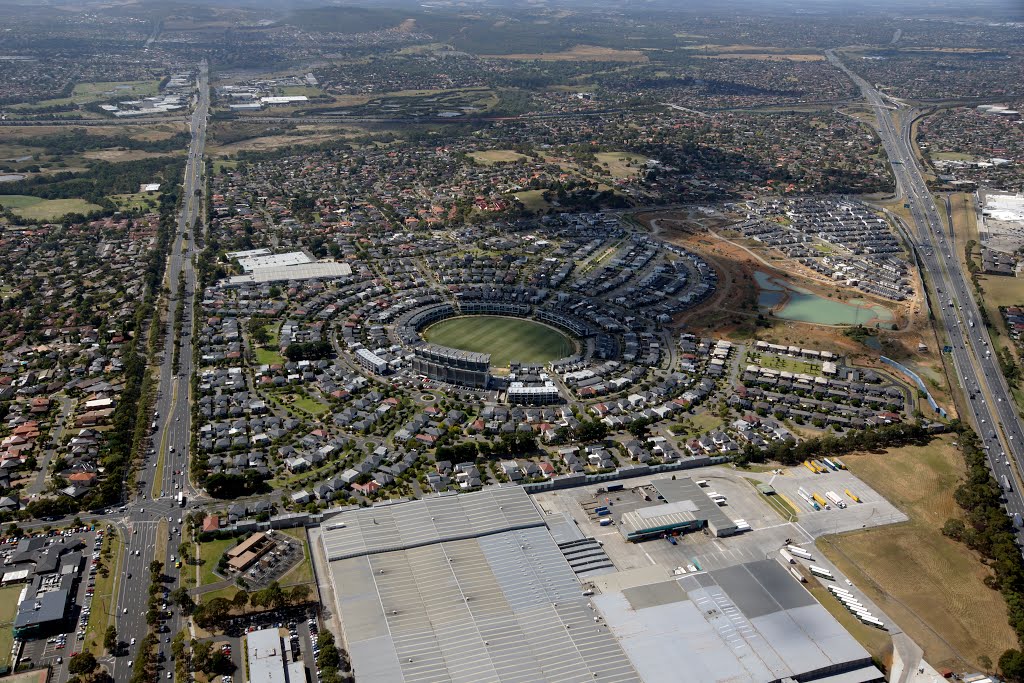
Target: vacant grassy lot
<point>8,610</point>
<point>533,200</point>
<point>209,555</point>
<point>506,339</point>
<point>307,404</point>
<point>492,156</point>
<point>580,53</point>
<point>84,93</point>
<point>44,209</point>
<point>621,164</point>
<point>137,200</point>
<point>768,57</point>
<point>932,586</point>
<point>268,357</point>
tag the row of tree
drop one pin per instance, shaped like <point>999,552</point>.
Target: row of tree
<point>986,529</point>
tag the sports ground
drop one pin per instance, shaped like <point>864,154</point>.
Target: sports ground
<point>506,339</point>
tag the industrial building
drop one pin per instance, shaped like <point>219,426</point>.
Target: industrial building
<point>686,508</point>
<point>485,587</point>
<point>748,623</point>
<point>267,659</point>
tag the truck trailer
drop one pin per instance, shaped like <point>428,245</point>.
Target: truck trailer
<point>799,552</point>
<point>835,498</point>
<point>821,501</point>
<point>852,496</point>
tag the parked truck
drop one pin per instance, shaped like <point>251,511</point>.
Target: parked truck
<point>820,466</point>
<point>851,495</point>
<point>808,465</point>
<point>787,556</point>
<point>839,463</point>
<point>836,499</point>
<point>807,498</point>
<point>821,501</point>
<point>828,463</point>
<point>797,575</point>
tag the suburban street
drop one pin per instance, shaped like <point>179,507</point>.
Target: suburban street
<point>155,510</point>
<point>988,399</point>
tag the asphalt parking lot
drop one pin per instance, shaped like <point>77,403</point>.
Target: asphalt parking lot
<point>873,510</point>
<point>55,650</point>
<point>702,551</point>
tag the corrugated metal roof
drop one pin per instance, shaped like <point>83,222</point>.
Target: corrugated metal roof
<point>429,520</point>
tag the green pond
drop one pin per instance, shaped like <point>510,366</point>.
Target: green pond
<point>803,306</point>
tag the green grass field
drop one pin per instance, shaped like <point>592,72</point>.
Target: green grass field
<point>209,554</point>
<point>506,339</point>
<point>8,610</point>
<point>44,209</point>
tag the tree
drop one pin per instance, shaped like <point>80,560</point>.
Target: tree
<point>241,600</point>
<point>82,663</point>
<point>156,566</point>
<point>299,594</point>
<point>180,597</point>
<point>110,639</point>
<point>1011,663</point>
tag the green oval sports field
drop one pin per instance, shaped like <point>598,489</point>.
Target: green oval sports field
<point>506,339</point>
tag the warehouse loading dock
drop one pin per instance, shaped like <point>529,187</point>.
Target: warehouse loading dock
<point>686,508</point>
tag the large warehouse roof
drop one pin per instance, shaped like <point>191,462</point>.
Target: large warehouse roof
<point>746,623</point>
<point>502,607</point>
<point>429,520</point>
<point>300,271</point>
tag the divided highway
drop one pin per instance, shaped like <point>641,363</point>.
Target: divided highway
<point>155,511</point>
<point>989,402</point>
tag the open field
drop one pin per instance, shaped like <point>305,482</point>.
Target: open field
<point>44,209</point>
<point>307,404</point>
<point>116,155</point>
<point>533,200</point>
<point>621,164</point>
<point>85,93</point>
<point>136,200</point>
<point>209,555</point>
<point>951,156</point>
<point>493,156</point>
<point>8,610</point>
<point>579,53</point>
<point>932,586</point>
<point>506,339</point>
<point>765,56</point>
<point>268,357</point>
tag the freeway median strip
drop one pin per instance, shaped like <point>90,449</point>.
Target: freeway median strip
<point>155,489</point>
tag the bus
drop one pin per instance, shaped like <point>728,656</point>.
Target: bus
<point>181,499</point>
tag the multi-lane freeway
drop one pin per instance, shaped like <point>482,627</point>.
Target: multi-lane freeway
<point>154,513</point>
<point>989,403</point>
